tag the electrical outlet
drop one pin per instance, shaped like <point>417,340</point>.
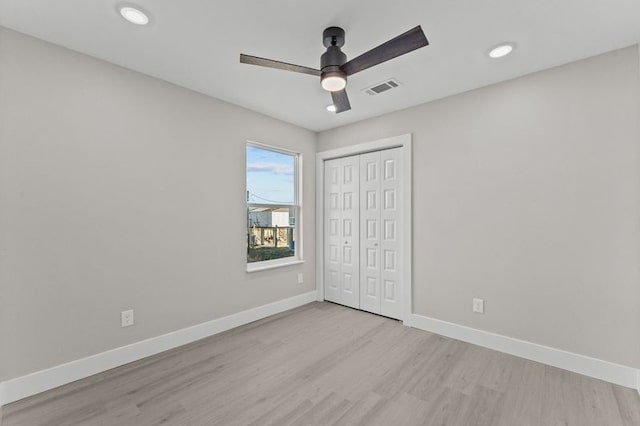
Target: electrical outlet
<point>478,306</point>
<point>126,318</point>
<point>300,278</point>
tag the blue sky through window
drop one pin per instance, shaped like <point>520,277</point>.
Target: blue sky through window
<point>270,176</point>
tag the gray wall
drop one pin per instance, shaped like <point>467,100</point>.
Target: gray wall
<point>121,191</point>
<point>526,194</point>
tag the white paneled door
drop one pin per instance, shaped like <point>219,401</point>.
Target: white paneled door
<point>370,274</point>
<point>391,202</point>
<point>363,241</point>
<point>342,239</point>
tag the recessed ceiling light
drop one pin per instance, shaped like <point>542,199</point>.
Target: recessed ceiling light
<point>133,15</point>
<point>331,108</point>
<point>501,50</point>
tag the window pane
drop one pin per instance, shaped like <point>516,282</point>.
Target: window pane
<point>270,176</point>
<point>270,233</point>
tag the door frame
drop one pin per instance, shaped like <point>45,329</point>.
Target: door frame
<point>404,142</point>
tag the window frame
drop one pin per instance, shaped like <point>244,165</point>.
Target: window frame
<point>297,257</point>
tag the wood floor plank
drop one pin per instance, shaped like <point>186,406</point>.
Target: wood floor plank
<point>324,364</point>
<point>357,413</point>
<point>483,407</point>
<point>627,400</point>
<point>521,400</point>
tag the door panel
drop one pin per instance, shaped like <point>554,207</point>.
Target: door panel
<point>369,224</point>
<point>391,243</point>
<point>332,234</point>
<point>341,231</point>
<point>350,214</point>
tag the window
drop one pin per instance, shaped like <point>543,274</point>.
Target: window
<point>273,207</point>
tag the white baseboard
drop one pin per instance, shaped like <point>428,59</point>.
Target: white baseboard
<point>40,381</point>
<point>581,364</point>
<point>2,398</point>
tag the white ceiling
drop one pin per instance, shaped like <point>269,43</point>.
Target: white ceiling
<point>196,44</point>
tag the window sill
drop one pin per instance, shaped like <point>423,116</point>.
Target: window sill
<point>263,266</point>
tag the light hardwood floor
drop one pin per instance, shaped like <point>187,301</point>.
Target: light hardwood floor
<point>324,364</point>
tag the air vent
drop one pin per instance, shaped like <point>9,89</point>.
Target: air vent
<point>376,89</point>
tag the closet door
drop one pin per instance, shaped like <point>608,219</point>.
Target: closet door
<point>370,271</point>
<point>363,233</point>
<point>391,255</point>
<point>332,233</point>
<point>342,231</point>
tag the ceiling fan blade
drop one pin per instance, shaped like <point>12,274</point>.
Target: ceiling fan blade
<point>270,63</point>
<point>404,43</point>
<point>341,101</point>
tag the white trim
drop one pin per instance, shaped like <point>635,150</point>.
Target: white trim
<point>638,52</point>
<point>319,228</point>
<point>272,147</point>
<point>263,266</point>
<point>404,142</point>
<point>377,145</point>
<point>2,399</point>
<point>581,364</point>
<point>40,381</point>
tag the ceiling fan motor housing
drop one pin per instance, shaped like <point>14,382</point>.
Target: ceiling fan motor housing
<point>333,58</point>
<point>333,36</point>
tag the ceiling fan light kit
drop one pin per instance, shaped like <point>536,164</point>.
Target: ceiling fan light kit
<point>333,81</point>
<point>334,67</point>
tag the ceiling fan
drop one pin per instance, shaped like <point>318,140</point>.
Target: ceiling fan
<point>334,67</point>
